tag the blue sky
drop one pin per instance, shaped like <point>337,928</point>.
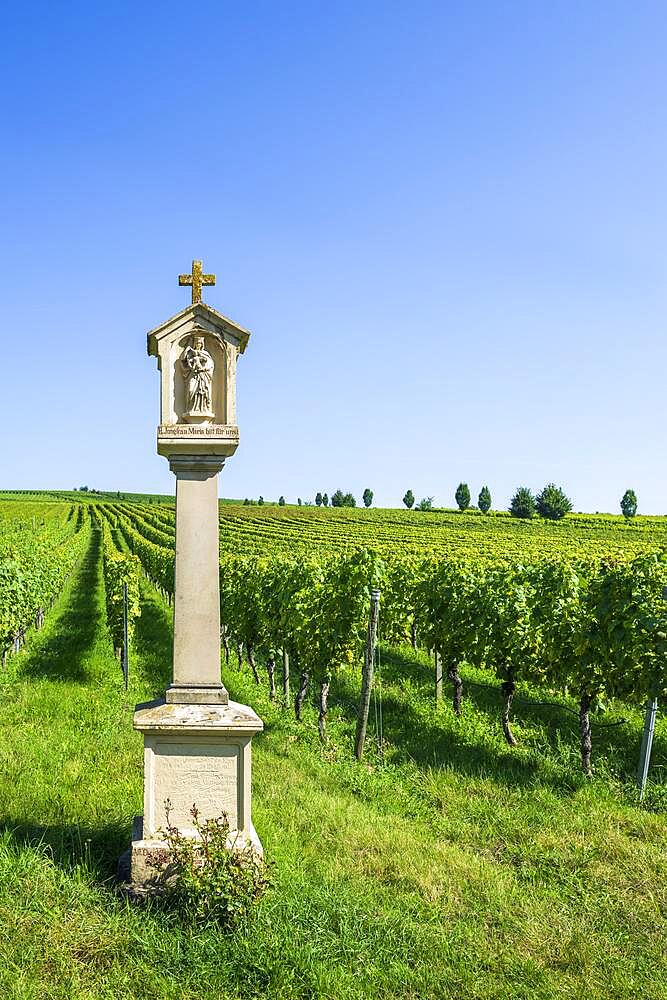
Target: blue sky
<point>445,224</point>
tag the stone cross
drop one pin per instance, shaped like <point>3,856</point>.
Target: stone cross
<point>196,279</point>
<point>196,740</point>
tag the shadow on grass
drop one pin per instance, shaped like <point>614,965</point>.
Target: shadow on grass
<point>59,653</point>
<point>153,639</point>
<point>68,846</point>
<point>437,739</point>
<point>537,708</point>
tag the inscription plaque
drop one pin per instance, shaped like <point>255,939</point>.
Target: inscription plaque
<point>187,774</point>
<point>198,430</point>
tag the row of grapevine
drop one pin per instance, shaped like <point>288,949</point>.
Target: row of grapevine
<point>35,561</point>
<point>157,560</point>
<point>595,629</point>
<point>121,569</point>
<point>313,610</point>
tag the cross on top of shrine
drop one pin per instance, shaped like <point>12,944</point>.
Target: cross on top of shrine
<point>196,279</point>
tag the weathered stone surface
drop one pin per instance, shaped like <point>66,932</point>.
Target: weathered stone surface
<point>160,716</point>
<point>198,416</point>
<point>196,742</point>
<point>197,581</point>
<point>197,755</point>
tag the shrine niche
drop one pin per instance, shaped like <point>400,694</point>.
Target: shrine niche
<point>197,351</point>
<point>198,368</point>
<point>199,380</point>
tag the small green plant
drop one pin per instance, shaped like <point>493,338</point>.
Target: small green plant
<point>204,879</point>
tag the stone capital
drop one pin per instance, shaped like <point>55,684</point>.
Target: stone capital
<point>196,466</point>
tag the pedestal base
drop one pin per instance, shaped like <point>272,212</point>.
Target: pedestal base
<point>194,755</point>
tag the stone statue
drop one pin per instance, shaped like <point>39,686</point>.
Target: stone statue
<point>198,367</point>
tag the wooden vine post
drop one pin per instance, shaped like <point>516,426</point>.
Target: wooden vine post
<point>438,677</point>
<point>286,675</point>
<point>647,737</point>
<point>367,678</point>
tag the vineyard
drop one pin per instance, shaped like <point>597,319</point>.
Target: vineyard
<point>576,607</point>
<point>262,531</point>
<point>39,545</point>
<point>470,809</point>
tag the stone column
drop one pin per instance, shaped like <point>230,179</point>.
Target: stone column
<point>196,665</point>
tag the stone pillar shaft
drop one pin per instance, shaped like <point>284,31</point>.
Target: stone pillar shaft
<point>196,665</point>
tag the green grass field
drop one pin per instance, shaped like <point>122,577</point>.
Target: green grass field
<point>449,867</point>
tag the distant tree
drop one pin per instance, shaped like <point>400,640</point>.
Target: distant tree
<point>299,501</point>
<point>260,501</point>
<point>409,499</point>
<point>83,489</point>
<point>281,501</point>
<point>426,503</point>
<point>340,499</point>
<point>325,499</point>
<point>318,499</point>
<point>629,504</point>
<point>552,502</point>
<point>523,503</point>
<point>246,502</point>
<point>462,496</point>
<point>484,500</point>
<point>368,497</point>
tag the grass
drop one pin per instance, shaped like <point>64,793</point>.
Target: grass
<point>453,868</point>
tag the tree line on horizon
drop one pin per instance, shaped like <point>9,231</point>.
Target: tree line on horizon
<point>551,503</point>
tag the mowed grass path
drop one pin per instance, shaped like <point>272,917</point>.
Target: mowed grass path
<point>457,869</point>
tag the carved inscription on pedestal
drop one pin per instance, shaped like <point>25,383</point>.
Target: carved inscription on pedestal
<point>187,774</point>
<point>194,430</point>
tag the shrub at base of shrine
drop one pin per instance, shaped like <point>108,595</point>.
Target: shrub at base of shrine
<point>202,882</point>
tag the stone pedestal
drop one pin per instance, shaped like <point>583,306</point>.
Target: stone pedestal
<point>193,755</point>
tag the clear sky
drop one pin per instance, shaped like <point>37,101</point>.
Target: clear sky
<point>445,224</point>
